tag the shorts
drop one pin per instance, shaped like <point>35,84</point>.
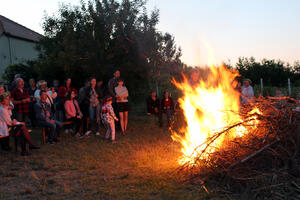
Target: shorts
<point>123,106</point>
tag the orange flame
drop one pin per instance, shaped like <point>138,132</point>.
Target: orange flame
<point>209,108</point>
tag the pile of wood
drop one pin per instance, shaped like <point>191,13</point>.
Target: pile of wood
<point>265,163</point>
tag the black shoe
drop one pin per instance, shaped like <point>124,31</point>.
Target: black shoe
<point>34,147</point>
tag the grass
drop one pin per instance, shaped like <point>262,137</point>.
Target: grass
<point>141,165</point>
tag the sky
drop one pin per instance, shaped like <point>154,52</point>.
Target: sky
<point>208,31</point>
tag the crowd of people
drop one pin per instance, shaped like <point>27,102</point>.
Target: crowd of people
<point>79,113</point>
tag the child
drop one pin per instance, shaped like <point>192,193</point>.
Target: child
<point>167,106</point>
<point>108,117</point>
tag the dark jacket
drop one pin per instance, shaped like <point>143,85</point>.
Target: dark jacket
<point>167,104</point>
<point>40,111</point>
<point>151,105</point>
<point>112,84</point>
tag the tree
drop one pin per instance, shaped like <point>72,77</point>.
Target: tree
<point>104,35</point>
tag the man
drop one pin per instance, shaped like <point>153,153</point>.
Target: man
<point>194,81</point>
<point>247,92</point>
<point>51,94</point>
<point>21,99</point>
<point>153,107</point>
<point>45,118</point>
<point>113,83</point>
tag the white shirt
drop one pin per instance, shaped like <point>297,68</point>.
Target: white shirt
<point>247,94</point>
<point>121,91</point>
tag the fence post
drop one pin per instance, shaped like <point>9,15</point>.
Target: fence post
<point>289,87</point>
<point>261,87</point>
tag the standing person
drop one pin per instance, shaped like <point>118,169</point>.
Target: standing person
<point>108,117</point>
<point>62,97</point>
<point>122,104</point>
<point>73,112</point>
<point>20,128</point>
<point>92,104</point>
<point>194,81</point>
<point>31,89</point>
<point>101,92</point>
<point>56,85</point>
<point>14,83</point>
<point>21,99</point>
<point>113,83</point>
<point>247,92</point>
<point>153,107</point>
<point>45,118</point>
<point>167,106</point>
<point>83,104</point>
<point>64,89</point>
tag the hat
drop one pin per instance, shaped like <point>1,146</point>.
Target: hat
<point>40,83</point>
<point>247,79</point>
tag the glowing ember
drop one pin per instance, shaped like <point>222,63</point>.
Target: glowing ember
<point>209,108</point>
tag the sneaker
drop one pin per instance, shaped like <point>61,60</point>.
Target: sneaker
<point>78,135</point>
<point>87,133</point>
<point>97,133</point>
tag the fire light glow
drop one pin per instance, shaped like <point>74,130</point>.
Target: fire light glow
<point>209,108</point>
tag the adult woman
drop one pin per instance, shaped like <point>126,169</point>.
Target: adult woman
<point>122,103</point>
<point>73,112</point>
<point>65,89</point>
<point>91,106</point>
<point>19,127</point>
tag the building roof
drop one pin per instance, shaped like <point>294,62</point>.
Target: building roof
<point>13,29</point>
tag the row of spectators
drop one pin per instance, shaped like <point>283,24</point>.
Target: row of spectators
<point>57,107</point>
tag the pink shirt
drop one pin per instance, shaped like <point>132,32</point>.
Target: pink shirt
<point>70,109</point>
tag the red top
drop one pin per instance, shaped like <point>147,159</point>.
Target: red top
<point>19,95</point>
<point>167,103</point>
<point>63,91</point>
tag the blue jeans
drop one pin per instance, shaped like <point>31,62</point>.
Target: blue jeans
<point>54,128</point>
<point>94,113</point>
<point>169,114</point>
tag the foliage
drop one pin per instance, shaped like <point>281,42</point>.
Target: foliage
<point>104,35</point>
<point>274,73</point>
<point>26,70</point>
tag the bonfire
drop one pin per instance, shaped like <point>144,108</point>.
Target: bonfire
<point>222,138</point>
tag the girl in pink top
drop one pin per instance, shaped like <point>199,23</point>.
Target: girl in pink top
<point>73,112</point>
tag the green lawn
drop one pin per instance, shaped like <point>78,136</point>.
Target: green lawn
<point>141,165</point>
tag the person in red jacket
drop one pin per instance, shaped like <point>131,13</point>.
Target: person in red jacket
<point>167,106</point>
<point>63,90</point>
